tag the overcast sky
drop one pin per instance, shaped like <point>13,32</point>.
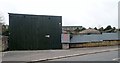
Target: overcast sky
<point>87,13</point>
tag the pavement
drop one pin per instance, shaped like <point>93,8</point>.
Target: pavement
<point>45,55</point>
<point>104,56</point>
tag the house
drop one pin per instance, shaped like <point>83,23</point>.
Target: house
<point>71,29</point>
<point>90,31</point>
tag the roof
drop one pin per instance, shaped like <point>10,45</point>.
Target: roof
<point>90,31</point>
<point>33,15</point>
<point>94,38</point>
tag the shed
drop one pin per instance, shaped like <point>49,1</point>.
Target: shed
<point>34,32</point>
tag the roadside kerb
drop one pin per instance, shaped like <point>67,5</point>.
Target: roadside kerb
<point>73,55</point>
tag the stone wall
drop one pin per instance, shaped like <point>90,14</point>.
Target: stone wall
<point>3,43</point>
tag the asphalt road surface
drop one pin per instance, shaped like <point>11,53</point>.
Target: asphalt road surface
<point>23,56</point>
<point>104,56</point>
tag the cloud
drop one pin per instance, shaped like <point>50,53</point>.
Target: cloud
<point>88,13</point>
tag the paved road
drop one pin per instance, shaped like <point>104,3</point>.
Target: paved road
<point>104,56</point>
<point>45,54</point>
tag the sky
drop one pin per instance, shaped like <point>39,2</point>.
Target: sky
<point>86,13</point>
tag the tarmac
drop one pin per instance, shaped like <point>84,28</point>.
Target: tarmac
<point>46,55</point>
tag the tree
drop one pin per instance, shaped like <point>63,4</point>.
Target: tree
<point>118,29</point>
<point>108,28</point>
<point>95,28</point>
<point>5,30</point>
<point>1,23</point>
<point>101,29</point>
<point>89,28</point>
<point>1,18</point>
<point>114,29</point>
<point>77,30</point>
<point>82,29</point>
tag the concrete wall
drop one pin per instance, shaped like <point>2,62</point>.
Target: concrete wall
<point>65,38</point>
<point>65,46</point>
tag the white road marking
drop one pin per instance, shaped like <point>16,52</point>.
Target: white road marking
<point>115,59</point>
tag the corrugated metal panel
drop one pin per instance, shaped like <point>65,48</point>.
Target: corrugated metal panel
<point>85,38</point>
<point>94,38</point>
<point>109,36</point>
<point>34,32</point>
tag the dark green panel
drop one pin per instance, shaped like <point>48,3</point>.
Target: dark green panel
<point>27,32</point>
